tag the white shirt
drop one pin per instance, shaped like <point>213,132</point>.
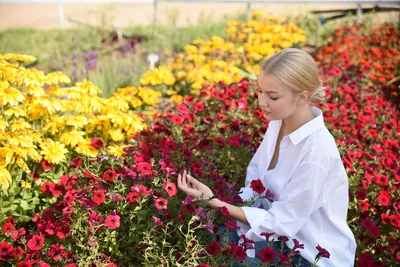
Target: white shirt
<point>310,185</point>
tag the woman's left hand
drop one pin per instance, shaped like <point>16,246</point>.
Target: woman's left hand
<point>193,187</point>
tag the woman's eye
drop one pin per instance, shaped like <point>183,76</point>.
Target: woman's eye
<point>274,98</point>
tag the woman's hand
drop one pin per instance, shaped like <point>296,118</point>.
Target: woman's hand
<point>194,188</point>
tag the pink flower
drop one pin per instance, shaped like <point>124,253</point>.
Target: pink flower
<point>112,221</point>
<point>170,188</point>
<point>36,242</point>
<point>161,203</point>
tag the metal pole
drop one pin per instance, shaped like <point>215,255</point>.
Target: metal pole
<point>359,13</point>
<point>60,14</point>
<point>248,10</point>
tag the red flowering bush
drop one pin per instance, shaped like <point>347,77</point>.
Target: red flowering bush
<point>128,211</point>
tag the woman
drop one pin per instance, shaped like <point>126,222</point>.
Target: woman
<point>299,162</point>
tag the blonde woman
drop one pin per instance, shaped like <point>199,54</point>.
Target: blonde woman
<point>299,162</point>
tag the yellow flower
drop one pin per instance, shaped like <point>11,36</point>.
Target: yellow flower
<point>53,151</point>
<point>115,150</point>
<point>176,98</point>
<point>136,102</point>
<point>10,96</point>
<point>15,111</point>
<point>25,185</point>
<point>21,58</point>
<point>116,134</point>
<point>3,124</point>
<point>20,124</point>
<point>56,78</point>
<point>86,148</point>
<point>76,121</point>
<point>5,178</point>
<point>54,124</point>
<point>87,87</point>
<point>72,138</point>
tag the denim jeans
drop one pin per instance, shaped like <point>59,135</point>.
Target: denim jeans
<point>296,260</point>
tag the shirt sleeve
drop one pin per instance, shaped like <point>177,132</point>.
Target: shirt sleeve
<point>301,196</point>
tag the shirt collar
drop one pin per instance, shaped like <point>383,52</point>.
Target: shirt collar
<point>307,129</point>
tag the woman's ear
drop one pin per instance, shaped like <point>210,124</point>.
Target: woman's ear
<point>304,96</point>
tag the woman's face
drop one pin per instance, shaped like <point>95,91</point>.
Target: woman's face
<point>276,102</point>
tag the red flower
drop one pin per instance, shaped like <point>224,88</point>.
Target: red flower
<point>203,265</point>
<point>112,221</point>
<point>96,143</point>
<point>144,168</point>
<point>177,120</point>
<point>56,251</point>
<point>238,252</point>
<point>257,186</point>
<point>63,232</point>
<point>161,203</point>
<point>382,180</point>
<point>133,197</point>
<point>45,165</point>
<point>67,210</point>
<point>267,235</point>
<point>8,227</point>
<point>219,141</point>
<point>267,255</point>
<point>75,163</point>
<point>361,194</point>
<point>109,175</point>
<point>221,117</point>
<point>384,198</point>
<point>36,242</point>
<point>24,264</point>
<point>170,188</point>
<point>213,248</point>
<point>232,226</point>
<point>17,252</point>
<point>224,210</point>
<point>99,197</point>
<point>111,265</point>
<point>234,141</point>
<point>322,252</point>
<point>199,106</point>
<point>5,250</point>
<point>284,260</point>
<point>140,189</point>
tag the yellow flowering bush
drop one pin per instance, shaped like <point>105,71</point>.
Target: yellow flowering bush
<point>42,120</point>
<point>226,59</point>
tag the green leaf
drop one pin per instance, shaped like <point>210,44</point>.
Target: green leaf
<point>24,205</point>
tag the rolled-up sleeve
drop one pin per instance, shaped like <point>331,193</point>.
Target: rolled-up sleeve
<point>287,215</point>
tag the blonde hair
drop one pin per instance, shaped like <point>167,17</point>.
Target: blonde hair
<point>296,70</point>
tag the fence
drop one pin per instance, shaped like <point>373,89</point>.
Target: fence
<point>248,3</point>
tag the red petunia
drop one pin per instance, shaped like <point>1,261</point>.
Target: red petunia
<point>234,141</point>
<point>140,189</point>
<point>322,252</point>
<point>67,210</point>
<point>257,186</point>
<point>133,197</point>
<point>219,141</point>
<point>8,227</point>
<point>284,260</point>
<point>157,222</point>
<point>56,251</point>
<point>36,242</point>
<point>384,199</point>
<point>170,188</point>
<point>75,163</point>
<point>203,265</point>
<point>145,168</point>
<point>232,226</point>
<point>63,232</point>
<point>45,165</point>
<point>99,197</point>
<point>267,255</point>
<point>199,106</point>
<point>17,252</point>
<point>213,248</point>
<point>24,264</point>
<point>96,143</point>
<point>112,221</point>
<point>161,203</point>
<point>5,250</point>
<point>238,252</point>
<point>109,175</point>
<point>224,210</point>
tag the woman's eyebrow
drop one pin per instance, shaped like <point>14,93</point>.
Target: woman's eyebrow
<point>271,92</point>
